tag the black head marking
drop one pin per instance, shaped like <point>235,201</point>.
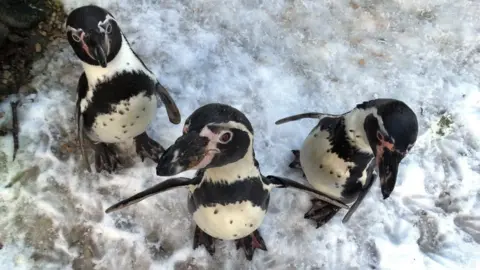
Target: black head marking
<point>93,34</point>
<point>391,133</point>
<point>216,113</point>
<point>399,121</point>
<point>214,135</point>
<point>233,150</point>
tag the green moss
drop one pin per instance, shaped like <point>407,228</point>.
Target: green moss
<point>444,123</point>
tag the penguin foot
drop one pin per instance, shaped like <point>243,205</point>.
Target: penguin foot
<point>147,147</point>
<point>202,238</point>
<point>321,212</point>
<point>106,158</point>
<point>250,243</point>
<point>296,162</point>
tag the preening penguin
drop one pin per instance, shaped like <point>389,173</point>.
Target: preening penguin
<point>340,154</point>
<point>116,93</point>
<point>228,196</point>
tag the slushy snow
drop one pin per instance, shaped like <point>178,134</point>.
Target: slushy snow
<point>270,59</point>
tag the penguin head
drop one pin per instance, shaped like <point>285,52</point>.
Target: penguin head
<point>213,136</point>
<point>391,131</point>
<point>93,34</point>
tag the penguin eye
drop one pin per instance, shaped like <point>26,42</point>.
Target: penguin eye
<point>226,137</point>
<point>380,137</point>
<point>108,28</point>
<point>76,37</point>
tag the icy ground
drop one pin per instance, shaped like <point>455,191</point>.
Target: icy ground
<point>270,59</point>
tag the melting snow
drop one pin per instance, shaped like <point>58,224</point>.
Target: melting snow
<point>270,59</point>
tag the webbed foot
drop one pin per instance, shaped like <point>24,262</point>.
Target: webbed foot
<point>321,212</point>
<point>106,157</point>
<point>202,238</point>
<point>147,147</point>
<point>250,243</point>
<point>295,164</point>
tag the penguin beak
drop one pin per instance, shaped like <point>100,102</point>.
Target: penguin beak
<point>190,151</point>
<point>99,54</point>
<point>388,162</point>
<point>98,47</point>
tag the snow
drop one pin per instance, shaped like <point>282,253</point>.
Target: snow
<point>270,59</point>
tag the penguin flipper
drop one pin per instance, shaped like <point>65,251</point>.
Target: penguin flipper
<point>161,187</point>
<point>172,109</point>
<point>82,88</point>
<point>303,115</point>
<point>360,198</point>
<point>281,182</point>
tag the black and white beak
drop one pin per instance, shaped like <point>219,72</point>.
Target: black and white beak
<point>193,150</point>
<point>94,43</point>
<point>97,47</point>
<point>190,151</point>
<point>387,160</point>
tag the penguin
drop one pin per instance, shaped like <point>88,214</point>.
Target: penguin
<point>341,154</point>
<point>116,93</point>
<point>228,196</point>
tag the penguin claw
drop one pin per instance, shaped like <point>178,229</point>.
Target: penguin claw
<point>105,158</point>
<point>295,164</point>
<point>321,212</point>
<point>147,147</point>
<point>202,238</point>
<point>250,243</point>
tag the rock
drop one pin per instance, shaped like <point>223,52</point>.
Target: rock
<point>38,47</point>
<point>3,33</point>
<point>23,14</point>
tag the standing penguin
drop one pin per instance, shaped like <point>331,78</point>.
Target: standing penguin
<point>341,152</point>
<point>116,92</point>
<point>228,196</point>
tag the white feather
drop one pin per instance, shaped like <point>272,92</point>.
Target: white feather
<point>232,221</point>
<point>124,61</point>
<point>326,171</point>
<point>116,127</point>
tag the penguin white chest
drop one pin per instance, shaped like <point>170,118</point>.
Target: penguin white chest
<point>231,221</point>
<point>127,119</point>
<point>324,170</point>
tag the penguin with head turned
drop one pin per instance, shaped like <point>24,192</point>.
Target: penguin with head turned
<point>340,154</point>
<point>116,93</point>
<point>228,196</point>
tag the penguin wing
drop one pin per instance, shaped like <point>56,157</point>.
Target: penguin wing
<point>172,109</point>
<point>360,197</point>
<point>303,115</point>
<point>281,182</point>
<point>82,89</point>
<point>161,187</point>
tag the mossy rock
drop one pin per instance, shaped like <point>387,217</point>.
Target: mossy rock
<point>23,14</point>
<point>443,124</point>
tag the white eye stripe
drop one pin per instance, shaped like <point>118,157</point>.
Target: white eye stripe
<point>76,33</point>
<point>106,25</point>
<point>76,37</point>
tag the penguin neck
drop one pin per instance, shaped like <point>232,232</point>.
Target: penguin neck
<point>124,61</point>
<point>355,128</point>
<point>241,169</point>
